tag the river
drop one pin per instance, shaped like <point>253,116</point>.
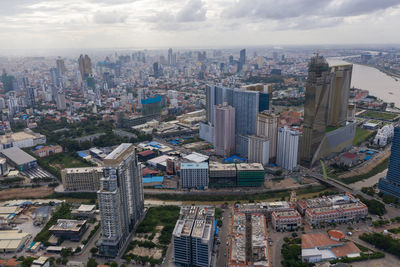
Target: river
<point>376,82</point>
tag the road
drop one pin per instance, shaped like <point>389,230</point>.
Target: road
<point>223,235</point>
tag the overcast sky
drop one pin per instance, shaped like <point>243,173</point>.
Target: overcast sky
<point>42,24</point>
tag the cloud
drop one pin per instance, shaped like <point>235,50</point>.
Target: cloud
<point>193,12</point>
<point>302,14</point>
<point>109,17</point>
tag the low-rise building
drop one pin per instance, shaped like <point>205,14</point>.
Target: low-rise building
<point>252,174</point>
<point>12,241</point>
<point>41,262</point>
<point>26,138</point>
<point>319,247</point>
<point>84,211</point>
<point>286,220</point>
<point>336,213</point>
<point>19,159</point>
<point>45,151</point>
<point>69,229</point>
<point>194,175</point>
<point>222,175</point>
<point>85,179</point>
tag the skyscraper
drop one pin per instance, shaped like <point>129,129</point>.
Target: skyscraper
<point>60,100</point>
<point>120,198</point>
<point>287,148</point>
<point>170,57</point>
<point>61,66</point>
<point>339,94</point>
<point>30,96</point>
<point>391,184</point>
<point>267,127</point>
<point>224,130</point>
<point>242,59</point>
<point>85,66</point>
<point>315,107</point>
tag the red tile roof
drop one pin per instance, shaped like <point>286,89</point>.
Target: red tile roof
<point>316,240</point>
<point>146,153</point>
<point>348,248</point>
<point>336,234</point>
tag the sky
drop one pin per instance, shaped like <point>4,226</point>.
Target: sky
<point>74,24</point>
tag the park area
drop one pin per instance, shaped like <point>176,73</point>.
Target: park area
<point>361,135</point>
<point>153,235</point>
<point>379,115</point>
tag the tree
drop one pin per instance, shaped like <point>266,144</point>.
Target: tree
<point>94,250</point>
<point>92,263</point>
<point>114,264</point>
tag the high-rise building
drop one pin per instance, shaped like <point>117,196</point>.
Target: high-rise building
<point>60,100</point>
<point>30,96</point>
<point>120,198</point>
<point>288,146</point>
<point>315,107</point>
<point>391,184</point>
<point>242,59</point>
<point>267,127</point>
<point>85,66</point>
<point>224,130</point>
<point>156,70</point>
<point>339,94</point>
<point>61,66</point>
<point>258,151</point>
<point>54,77</point>
<point>170,57</point>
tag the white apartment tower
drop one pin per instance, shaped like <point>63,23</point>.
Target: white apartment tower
<point>120,198</point>
<point>288,147</point>
<point>224,130</point>
<point>267,127</point>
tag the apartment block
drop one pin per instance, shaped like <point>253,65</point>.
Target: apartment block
<point>286,220</point>
<point>194,175</point>
<point>85,179</point>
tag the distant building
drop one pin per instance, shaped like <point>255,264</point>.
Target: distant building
<point>194,175</point>
<point>85,66</point>
<point>60,100</point>
<point>84,179</point>
<point>287,148</point>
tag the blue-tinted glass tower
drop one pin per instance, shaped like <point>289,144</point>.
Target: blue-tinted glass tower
<point>391,184</point>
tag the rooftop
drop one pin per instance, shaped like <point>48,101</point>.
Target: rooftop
<point>190,165</point>
<point>17,155</point>
<point>249,167</point>
<point>83,170</point>
<point>196,157</point>
<point>216,166</point>
<point>317,240</point>
<point>116,153</point>
<point>68,225</point>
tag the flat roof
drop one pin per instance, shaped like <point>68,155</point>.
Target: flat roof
<point>118,151</point>
<point>17,155</point>
<point>83,169</point>
<point>11,240</point>
<point>196,157</point>
<point>86,208</point>
<point>191,165</point>
<point>68,225</point>
<point>216,166</point>
<point>249,167</point>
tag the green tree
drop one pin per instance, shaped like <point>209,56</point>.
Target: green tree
<point>92,263</point>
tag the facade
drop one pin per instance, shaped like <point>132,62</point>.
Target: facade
<point>45,151</point>
<point>315,107</point>
<point>193,237</point>
<point>60,100</point>
<point>85,179</point>
<point>194,175</point>
<point>391,184</point>
<point>267,127</point>
<point>85,66</point>
<point>120,198</point>
<point>339,94</point>
<point>222,175</point>
<point>258,151</point>
<point>286,220</point>
<point>250,174</point>
<point>224,130</point>
<point>19,159</point>
<point>26,138</point>
<point>287,148</point>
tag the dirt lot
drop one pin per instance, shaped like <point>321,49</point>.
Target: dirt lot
<point>156,253</point>
<point>16,193</point>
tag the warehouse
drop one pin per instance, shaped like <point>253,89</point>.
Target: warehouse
<point>19,159</point>
<point>12,241</point>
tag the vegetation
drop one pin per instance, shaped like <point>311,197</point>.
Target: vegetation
<point>374,206</point>
<point>218,216</point>
<point>362,257</point>
<point>361,135</point>
<point>62,212</point>
<point>91,234</point>
<point>379,115</point>
<point>384,242</point>
<point>368,190</point>
<point>380,223</point>
<point>165,216</point>
<point>378,169</point>
<point>251,197</point>
<point>8,181</point>
<point>291,251</point>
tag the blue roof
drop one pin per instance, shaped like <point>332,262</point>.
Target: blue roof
<point>234,159</point>
<point>82,154</point>
<point>151,100</point>
<point>173,142</point>
<point>367,158</point>
<point>153,143</point>
<point>370,152</point>
<point>154,179</point>
<point>38,147</point>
